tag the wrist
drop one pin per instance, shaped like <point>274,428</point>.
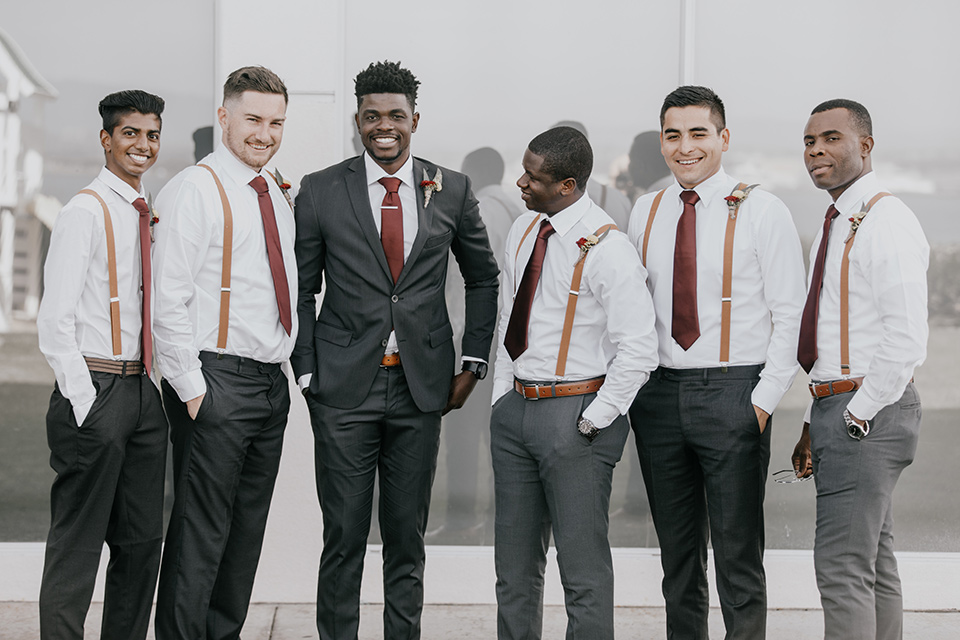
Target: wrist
<point>476,367</point>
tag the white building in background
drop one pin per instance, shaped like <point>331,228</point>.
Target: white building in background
<point>25,214</point>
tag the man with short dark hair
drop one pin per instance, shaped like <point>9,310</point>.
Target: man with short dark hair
<point>226,281</point>
<point>726,276</point>
<point>105,425</point>
<point>577,340</point>
<point>860,343</point>
<point>377,364</point>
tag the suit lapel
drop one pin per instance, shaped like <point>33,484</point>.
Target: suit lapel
<point>424,217</point>
<point>360,201</point>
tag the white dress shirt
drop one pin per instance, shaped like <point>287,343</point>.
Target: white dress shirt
<point>768,275</point>
<point>188,261</point>
<point>888,298</point>
<point>613,329</point>
<point>74,316</point>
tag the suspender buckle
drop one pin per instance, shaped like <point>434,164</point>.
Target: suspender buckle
<point>723,367</point>
<point>220,353</point>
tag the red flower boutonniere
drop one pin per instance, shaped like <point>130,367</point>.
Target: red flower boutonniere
<point>154,218</point>
<point>855,221</point>
<point>430,186</point>
<point>735,199</point>
<point>284,186</point>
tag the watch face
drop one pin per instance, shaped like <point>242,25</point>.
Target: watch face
<point>481,370</point>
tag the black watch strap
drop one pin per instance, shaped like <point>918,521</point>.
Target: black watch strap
<point>475,367</point>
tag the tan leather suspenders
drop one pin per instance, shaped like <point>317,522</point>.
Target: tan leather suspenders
<point>574,293</point>
<point>845,288</point>
<point>112,274</point>
<point>726,296</point>
<point>227,258</point>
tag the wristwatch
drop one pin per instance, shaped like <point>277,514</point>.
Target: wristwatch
<point>854,430</point>
<point>587,429</point>
<point>475,367</point>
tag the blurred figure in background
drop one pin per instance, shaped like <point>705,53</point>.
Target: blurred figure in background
<point>646,171</point>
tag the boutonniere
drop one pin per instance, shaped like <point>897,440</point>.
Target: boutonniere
<point>154,218</point>
<point>736,198</point>
<point>855,221</point>
<point>284,186</point>
<point>585,244</point>
<point>429,186</point>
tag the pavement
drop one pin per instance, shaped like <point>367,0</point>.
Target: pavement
<point>18,621</point>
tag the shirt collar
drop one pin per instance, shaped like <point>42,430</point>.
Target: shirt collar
<point>564,220</point>
<point>121,188</point>
<point>375,171</point>
<point>233,167</point>
<point>856,193</point>
<point>711,188</point>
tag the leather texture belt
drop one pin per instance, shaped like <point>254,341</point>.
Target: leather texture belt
<point>538,390</point>
<point>834,387</point>
<point>390,360</point>
<point>122,368</point>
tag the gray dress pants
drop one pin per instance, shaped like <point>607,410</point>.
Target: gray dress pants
<point>853,553</point>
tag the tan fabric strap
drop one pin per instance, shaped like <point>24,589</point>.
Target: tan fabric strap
<point>572,302</point>
<point>845,289</point>
<point>726,296</point>
<point>646,232</point>
<point>112,273</point>
<point>227,260</point>
<point>536,219</point>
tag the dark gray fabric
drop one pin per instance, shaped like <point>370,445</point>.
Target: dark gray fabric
<point>388,434</point>
<point>225,466</point>
<point>549,477</point>
<point>109,487</point>
<point>337,241</point>
<point>853,553</point>
<point>704,464</point>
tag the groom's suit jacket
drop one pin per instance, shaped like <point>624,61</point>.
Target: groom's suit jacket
<point>340,253</point>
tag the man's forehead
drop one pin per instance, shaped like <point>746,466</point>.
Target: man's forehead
<point>838,119</point>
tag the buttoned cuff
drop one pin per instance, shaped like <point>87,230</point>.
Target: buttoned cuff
<point>81,411</point>
<point>767,395</point>
<point>189,385</point>
<point>862,406</point>
<point>601,413</point>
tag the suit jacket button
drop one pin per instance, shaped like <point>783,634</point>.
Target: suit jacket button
<point>395,299</point>
<point>383,343</point>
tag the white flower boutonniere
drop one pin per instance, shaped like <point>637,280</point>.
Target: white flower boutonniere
<point>735,199</point>
<point>430,186</point>
<point>855,221</point>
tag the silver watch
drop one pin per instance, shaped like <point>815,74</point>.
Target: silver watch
<point>587,429</point>
<point>854,430</point>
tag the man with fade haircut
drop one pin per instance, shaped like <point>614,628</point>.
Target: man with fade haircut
<point>377,365</point>
<point>226,278</point>
<point>105,425</point>
<point>860,343</point>
<point>726,275</point>
<point>577,340</point>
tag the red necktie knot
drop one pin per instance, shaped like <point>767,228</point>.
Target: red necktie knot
<point>392,185</point>
<point>831,213</point>
<point>141,206</point>
<point>259,185</point>
<point>689,197</point>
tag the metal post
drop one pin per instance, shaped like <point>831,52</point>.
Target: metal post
<point>688,10</point>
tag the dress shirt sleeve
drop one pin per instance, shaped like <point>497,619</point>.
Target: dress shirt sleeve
<point>618,281</point>
<point>503,367</point>
<point>781,265</point>
<point>895,268</point>
<point>64,278</point>
<point>182,240</point>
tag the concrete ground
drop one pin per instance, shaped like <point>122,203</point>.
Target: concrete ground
<point>18,621</point>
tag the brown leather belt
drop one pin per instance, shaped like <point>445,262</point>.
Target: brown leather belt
<point>390,360</point>
<point>836,386</point>
<point>537,390</point>
<point>120,367</point>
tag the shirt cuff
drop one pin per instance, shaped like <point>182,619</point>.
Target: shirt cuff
<point>189,385</point>
<point>862,407</point>
<point>471,359</point>
<point>81,411</point>
<point>601,414</point>
<point>766,395</point>
<point>304,381</point>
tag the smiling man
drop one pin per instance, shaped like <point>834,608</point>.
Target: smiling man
<point>377,366</point>
<point>726,275</point>
<point>860,344</point>
<point>226,278</point>
<point>105,426</point>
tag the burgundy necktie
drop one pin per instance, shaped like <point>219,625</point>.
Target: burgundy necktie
<point>146,335</point>
<point>274,251</point>
<point>391,226</point>
<point>686,321</point>
<point>807,346</point>
<point>516,339</point>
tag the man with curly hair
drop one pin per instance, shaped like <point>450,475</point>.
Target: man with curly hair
<point>377,365</point>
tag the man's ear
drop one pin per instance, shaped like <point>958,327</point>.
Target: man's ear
<point>104,139</point>
<point>866,146</point>
<point>568,186</point>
